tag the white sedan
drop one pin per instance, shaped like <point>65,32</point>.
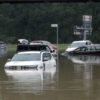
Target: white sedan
<point>31,59</point>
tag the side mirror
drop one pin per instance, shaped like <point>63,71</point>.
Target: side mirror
<point>52,51</point>
<point>8,60</point>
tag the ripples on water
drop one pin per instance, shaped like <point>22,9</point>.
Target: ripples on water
<point>76,78</point>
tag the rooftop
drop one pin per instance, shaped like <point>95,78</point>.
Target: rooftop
<point>82,41</point>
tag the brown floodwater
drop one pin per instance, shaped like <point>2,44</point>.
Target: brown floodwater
<point>76,78</point>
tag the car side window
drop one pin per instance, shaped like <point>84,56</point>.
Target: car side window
<point>46,56</point>
<point>47,49</point>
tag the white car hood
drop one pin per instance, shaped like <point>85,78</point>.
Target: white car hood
<point>22,63</point>
<point>71,49</point>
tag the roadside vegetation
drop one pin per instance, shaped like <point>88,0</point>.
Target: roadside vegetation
<point>12,47</point>
<point>62,47</point>
<point>32,21</point>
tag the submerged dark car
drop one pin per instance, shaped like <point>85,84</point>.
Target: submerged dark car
<point>35,47</point>
<point>3,49</point>
<point>3,45</point>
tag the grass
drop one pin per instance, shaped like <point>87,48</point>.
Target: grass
<point>62,47</point>
<point>12,47</point>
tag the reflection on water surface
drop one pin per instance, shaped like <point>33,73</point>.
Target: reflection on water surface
<point>31,81</point>
<point>84,59</point>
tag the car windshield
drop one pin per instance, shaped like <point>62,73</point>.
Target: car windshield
<point>27,57</point>
<point>77,45</point>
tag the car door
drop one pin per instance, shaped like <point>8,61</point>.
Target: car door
<point>49,62</point>
<point>46,59</point>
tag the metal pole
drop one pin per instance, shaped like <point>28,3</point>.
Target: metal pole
<point>57,43</point>
<point>57,52</point>
<point>84,31</point>
<point>84,35</point>
<point>57,60</point>
<point>57,67</point>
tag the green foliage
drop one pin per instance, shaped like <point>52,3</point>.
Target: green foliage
<point>32,21</point>
<point>11,47</point>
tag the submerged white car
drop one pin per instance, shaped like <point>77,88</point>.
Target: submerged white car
<point>31,59</point>
<point>77,44</point>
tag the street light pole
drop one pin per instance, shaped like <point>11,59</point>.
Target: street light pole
<point>56,26</point>
<point>57,43</point>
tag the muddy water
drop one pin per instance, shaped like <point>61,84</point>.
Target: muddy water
<point>76,78</point>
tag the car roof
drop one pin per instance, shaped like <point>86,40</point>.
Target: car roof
<point>38,44</point>
<point>33,44</point>
<point>39,41</point>
<point>83,41</point>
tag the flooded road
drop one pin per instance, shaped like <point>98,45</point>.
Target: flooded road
<point>76,78</point>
